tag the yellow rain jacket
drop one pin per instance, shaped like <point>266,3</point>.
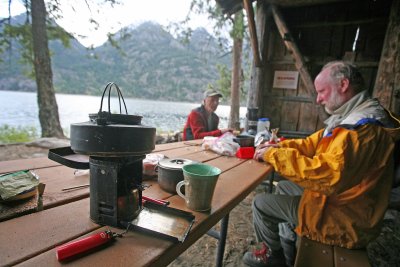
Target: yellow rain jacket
<point>347,179</point>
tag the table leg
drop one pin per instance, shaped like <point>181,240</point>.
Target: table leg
<point>271,181</point>
<point>221,236</point>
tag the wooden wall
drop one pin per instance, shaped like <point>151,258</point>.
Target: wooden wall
<point>322,33</point>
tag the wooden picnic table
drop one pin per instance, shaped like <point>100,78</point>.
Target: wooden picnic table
<point>31,240</point>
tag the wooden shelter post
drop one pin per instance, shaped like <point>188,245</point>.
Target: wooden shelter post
<point>387,83</point>
<point>256,81</point>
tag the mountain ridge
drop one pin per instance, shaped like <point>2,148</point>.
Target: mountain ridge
<point>151,64</point>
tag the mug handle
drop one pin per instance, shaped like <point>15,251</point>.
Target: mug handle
<point>178,189</point>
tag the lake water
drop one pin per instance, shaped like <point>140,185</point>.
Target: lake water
<point>20,109</point>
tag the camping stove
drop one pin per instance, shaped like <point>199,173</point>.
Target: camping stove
<point>116,145</point>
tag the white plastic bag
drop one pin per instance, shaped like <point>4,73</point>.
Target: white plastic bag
<point>262,137</point>
<point>223,145</point>
<point>150,163</point>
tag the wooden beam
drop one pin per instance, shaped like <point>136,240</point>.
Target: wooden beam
<point>292,3</point>
<point>299,61</point>
<point>342,23</point>
<point>257,77</point>
<point>253,33</point>
<point>387,83</point>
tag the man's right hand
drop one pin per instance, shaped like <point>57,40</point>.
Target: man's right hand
<point>261,149</point>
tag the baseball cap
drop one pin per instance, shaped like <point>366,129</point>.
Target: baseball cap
<point>211,92</point>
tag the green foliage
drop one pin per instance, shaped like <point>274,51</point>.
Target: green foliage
<point>223,84</point>
<point>238,28</point>
<point>20,34</point>
<point>10,134</point>
<point>23,36</point>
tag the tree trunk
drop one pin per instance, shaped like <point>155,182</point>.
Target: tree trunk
<point>48,109</point>
<point>234,116</point>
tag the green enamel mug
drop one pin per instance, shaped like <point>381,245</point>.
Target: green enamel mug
<point>199,181</point>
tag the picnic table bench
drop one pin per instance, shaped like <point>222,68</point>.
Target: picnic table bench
<point>314,254</point>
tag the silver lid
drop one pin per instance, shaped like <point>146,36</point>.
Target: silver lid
<point>176,163</point>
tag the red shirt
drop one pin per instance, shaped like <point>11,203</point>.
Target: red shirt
<point>197,126</point>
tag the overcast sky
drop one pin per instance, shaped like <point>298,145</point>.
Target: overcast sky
<point>130,12</point>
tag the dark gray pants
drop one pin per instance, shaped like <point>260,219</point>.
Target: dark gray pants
<point>275,215</point>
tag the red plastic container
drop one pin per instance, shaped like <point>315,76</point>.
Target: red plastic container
<point>245,152</point>
<point>67,251</point>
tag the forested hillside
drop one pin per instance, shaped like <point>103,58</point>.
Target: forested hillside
<point>150,64</point>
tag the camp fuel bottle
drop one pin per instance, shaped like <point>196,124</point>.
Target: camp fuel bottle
<point>73,248</point>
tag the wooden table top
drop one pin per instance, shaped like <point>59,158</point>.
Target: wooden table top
<point>31,239</point>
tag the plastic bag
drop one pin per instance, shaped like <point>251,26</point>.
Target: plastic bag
<point>262,137</point>
<point>150,163</point>
<point>208,141</point>
<point>223,145</point>
<point>12,184</point>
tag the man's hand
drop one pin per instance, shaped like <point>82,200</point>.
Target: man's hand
<point>261,149</point>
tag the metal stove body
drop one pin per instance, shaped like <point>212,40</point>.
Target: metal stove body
<point>116,145</point>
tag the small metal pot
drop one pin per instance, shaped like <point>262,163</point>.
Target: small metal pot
<point>244,140</point>
<point>170,173</point>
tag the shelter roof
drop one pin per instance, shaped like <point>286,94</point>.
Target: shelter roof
<point>232,6</point>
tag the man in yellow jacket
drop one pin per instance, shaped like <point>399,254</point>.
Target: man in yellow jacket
<point>339,178</point>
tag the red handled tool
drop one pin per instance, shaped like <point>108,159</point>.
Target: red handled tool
<point>156,201</point>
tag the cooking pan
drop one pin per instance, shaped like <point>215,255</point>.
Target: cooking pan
<point>244,140</point>
<point>170,173</point>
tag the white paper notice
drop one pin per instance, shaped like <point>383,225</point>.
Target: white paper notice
<point>286,79</point>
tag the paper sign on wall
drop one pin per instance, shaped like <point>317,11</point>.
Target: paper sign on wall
<point>286,79</point>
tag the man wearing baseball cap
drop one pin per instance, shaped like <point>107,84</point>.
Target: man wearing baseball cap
<point>202,121</point>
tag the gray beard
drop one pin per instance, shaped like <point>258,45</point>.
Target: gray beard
<point>329,111</point>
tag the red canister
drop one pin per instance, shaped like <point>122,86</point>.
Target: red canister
<point>76,247</point>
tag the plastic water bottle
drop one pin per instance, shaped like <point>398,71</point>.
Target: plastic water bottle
<point>263,124</point>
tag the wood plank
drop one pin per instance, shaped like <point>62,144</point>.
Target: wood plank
<point>225,163</point>
<point>290,116</point>
<point>26,164</point>
<point>155,191</point>
<point>56,179</point>
<point>24,237</point>
<point>350,257</point>
<point>135,249</point>
<point>313,254</point>
<point>168,146</point>
<point>191,152</point>
<point>307,118</point>
<point>9,210</point>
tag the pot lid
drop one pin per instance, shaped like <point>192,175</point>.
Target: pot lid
<point>176,163</point>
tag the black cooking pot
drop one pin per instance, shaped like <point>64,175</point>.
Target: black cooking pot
<point>170,173</point>
<point>244,140</point>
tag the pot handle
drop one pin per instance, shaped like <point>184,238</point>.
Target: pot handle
<point>178,189</point>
